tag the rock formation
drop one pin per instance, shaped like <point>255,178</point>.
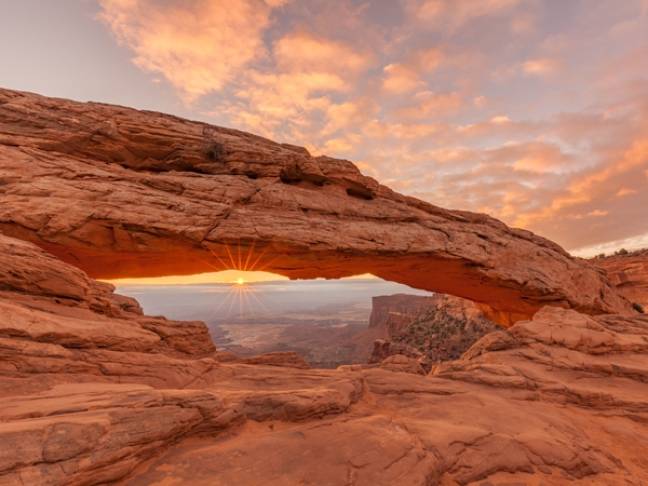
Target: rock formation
<point>430,329</point>
<point>390,314</point>
<point>121,193</point>
<point>629,273</point>
<point>95,392</point>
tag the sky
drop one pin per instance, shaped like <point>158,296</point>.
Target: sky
<point>217,302</point>
<point>534,111</point>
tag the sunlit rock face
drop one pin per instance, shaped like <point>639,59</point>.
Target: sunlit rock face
<point>95,392</point>
<point>126,193</point>
<point>60,326</point>
<point>629,273</point>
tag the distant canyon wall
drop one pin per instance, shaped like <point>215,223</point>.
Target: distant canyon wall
<point>628,271</point>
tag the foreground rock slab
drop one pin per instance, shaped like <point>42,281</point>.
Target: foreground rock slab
<point>94,433</point>
<point>94,392</point>
<point>562,399</point>
<point>211,198</point>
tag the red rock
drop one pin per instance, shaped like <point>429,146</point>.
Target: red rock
<point>283,358</point>
<point>402,363</point>
<point>629,273</point>
<point>560,398</point>
<point>71,172</point>
<point>392,313</point>
<point>384,348</point>
<point>426,328</point>
<point>59,326</point>
<point>93,391</point>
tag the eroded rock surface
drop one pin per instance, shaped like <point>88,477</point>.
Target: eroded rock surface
<point>629,273</point>
<point>93,393</point>
<point>120,192</point>
<point>561,399</point>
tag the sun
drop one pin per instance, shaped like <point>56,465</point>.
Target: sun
<point>240,281</point>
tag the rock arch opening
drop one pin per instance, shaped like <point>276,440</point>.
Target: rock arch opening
<point>324,323</point>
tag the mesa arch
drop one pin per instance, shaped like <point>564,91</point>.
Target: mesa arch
<point>125,193</point>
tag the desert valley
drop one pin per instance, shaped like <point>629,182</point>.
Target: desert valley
<point>346,243</point>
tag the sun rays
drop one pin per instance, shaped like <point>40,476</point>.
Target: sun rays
<point>243,261</point>
<point>241,294</point>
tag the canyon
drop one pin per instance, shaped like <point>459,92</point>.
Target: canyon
<point>430,329</point>
<point>94,391</point>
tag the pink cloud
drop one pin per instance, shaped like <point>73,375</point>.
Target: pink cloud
<point>472,104</point>
<point>197,46</point>
<point>454,14</point>
<point>540,67</point>
<point>304,52</point>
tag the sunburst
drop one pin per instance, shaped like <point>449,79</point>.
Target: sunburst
<point>241,293</point>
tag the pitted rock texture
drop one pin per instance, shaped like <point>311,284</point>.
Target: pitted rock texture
<point>629,273</point>
<point>93,392</point>
<point>561,399</point>
<point>126,193</point>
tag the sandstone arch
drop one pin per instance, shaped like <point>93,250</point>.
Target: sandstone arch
<point>120,192</point>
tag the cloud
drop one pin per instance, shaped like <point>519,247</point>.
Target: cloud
<point>454,14</point>
<point>408,75</point>
<point>400,78</point>
<point>197,46</point>
<point>540,67</point>
<point>613,193</point>
<point>484,105</point>
<point>429,105</point>
<point>304,52</point>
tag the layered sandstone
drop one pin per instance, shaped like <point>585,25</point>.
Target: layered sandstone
<point>120,192</point>
<point>94,392</point>
<point>629,273</point>
<point>427,328</point>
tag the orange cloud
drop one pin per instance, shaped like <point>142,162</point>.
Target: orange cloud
<point>454,14</point>
<point>197,46</point>
<point>400,79</point>
<point>407,76</point>
<point>540,67</point>
<point>304,52</point>
<point>428,104</point>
